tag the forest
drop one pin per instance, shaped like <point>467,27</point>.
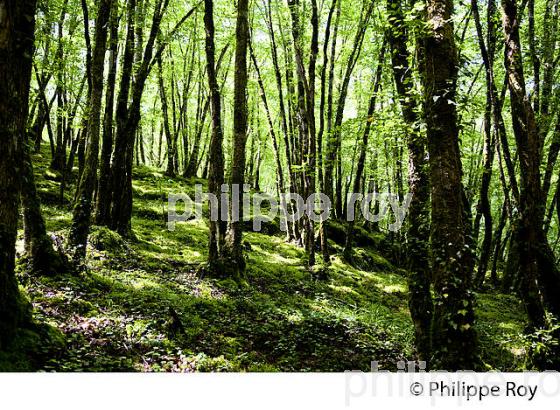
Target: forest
<point>432,127</point>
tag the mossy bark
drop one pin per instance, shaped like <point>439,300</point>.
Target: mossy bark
<point>240,116</point>
<point>38,245</point>
<point>420,300</point>
<point>17,24</point>
<point>454,339</point>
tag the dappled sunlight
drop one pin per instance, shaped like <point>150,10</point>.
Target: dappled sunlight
<point>145,306</point>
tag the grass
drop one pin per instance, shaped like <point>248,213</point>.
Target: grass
<point>142,305</point>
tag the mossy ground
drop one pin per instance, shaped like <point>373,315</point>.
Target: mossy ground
<point>143,306</point>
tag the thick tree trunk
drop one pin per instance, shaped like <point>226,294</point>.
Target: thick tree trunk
<point>123,155</point>
<point>418,235</point>
<point>540,275</point>
<point>38,245</point>
<point>118,162</point>
<point>454,338</point>
<point>17,25</point>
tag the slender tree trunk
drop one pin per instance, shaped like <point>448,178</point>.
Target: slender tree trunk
<point>279,170</point>
<point>215,154</point>
<point>483,206</point>
<point>103,192</point>
<point>240,116</point>
<point>79,230</point>
<point>59,159</point>
<point>306,114</point>
<point>286,129</point>
<point>165,113</point>
<point>332,159</point>
<point>357,186</point>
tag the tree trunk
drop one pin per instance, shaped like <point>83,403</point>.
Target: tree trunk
<point>165,113</point>
<point>38,245</point>
<point>306,116</point>
<point>540,275</point>
<point>17,25</point>
<point>83,207</point>
<point>59,159</point>
<point>123,154</point>
<point>483,207</point>
<point>357,186</point>
<point>235,250</point>
<point>418,235</point>
<point>215,154</point>
<point>454,338</point>
<point>103,193</point>
<point>332,159</point>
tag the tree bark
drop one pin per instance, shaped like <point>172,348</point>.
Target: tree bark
<point>240,115</point>
<point>44,260</point>
<point>540,276</point>
<point>215,154</point>
<point>357,185</point>
<point>418,234</point>
<point>123,154</point>
<point>306,116</point>
<point>81,217</point>
<point>103,192</point>
<point>483,206</point>
<point>17,25</point>
<point>454,338</point>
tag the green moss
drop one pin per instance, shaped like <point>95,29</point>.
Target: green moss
<point>104,239</point>
<point>144,305</point>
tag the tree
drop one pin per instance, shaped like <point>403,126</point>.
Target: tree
<point>240,116</point>
<point>43,258</point>
<point>483,206</point>
<point>420,299</point>
<point>332,152</point>
<point>454,338</point>
<point>357,185</point>
<point>81,217</point>
<point>17,25</point>
<point>306,114</point>
<point>215,154</point>
<point>128,115</point>
<point>540,276</point>
<point>103,193</point>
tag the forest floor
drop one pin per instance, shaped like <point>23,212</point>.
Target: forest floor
<point>143,306</point>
